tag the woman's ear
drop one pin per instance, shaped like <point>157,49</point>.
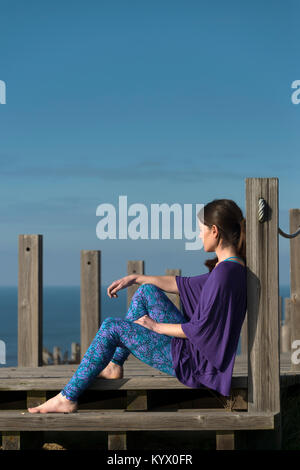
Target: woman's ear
<point>215,230</point>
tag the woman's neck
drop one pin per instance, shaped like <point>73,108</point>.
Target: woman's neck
<point>224,254</point>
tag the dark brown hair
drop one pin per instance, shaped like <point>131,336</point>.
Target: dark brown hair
<point>228,217</point>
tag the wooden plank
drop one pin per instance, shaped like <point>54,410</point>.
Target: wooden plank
<point>127,383</point>
<point>30,301</point>
<point>295,289</point>
<point>117,440</point>
<point>130,383</point>
<point>263,305</point>
<point>134,421</point>
<point>75,349</point>
<point>137,400</point>
<point>131,367</point>
<point>133,267</point>
<point>57,355</point>
<point>34,398</point>
<point>11,440</point>
<point>90,297</point>
<point>175,298</point>
<point>225,440</point>
<point>286,328</point>
<point>239,399</point>
<point>280,322</point>
<point>262,296</point>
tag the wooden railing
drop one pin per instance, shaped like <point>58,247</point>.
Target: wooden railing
<point>261,335</point>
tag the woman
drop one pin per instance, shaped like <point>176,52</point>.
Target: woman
<point>198,345</point>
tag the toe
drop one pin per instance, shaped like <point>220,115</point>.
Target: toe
<point>33,410</point>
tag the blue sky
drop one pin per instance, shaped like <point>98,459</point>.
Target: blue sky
<point>161,101</point>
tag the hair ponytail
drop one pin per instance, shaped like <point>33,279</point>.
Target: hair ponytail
<point>241,246</point>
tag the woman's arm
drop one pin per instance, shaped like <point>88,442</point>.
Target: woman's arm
<point>166,283</point>
<point>170,329</point>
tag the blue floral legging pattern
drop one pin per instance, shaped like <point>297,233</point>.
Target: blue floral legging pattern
<point>117,338</point>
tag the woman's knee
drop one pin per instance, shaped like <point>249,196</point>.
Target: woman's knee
<point>107,322</point>
<point>143,291</point>
<point>111,327</point>
<point>147,287</point>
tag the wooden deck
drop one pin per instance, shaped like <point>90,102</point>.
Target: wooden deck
<point>209,411</point>
<point>137,376</point>
<point>255,399</point>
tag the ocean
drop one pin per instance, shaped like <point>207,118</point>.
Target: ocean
<point>61,317</point>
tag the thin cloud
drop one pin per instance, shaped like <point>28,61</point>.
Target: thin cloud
<point>148,170</point>
<point>144,171</point>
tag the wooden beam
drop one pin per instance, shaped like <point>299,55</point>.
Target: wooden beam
<point>286,327</point>
<point>280,322</point>
<point>15,440</point>
<point>30,301</point>
<point>225,440</point>
<point>35,398</point>
<point>36,441</point>
<point>295,289</point>
<point>117,440</point>
<point>90,297</point>
<point>137,400</point>
<point>263,292</point>
<point>21,420</point>
<point>11,440</point>
<point>262,300</point>
<point>175,298</point>
<point>129,383</point>
<point>133,267</point>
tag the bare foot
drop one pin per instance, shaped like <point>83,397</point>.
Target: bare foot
<point>111,371</point>
<point>57,404</point>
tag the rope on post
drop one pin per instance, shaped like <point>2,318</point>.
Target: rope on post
<point>262,209</point>
<point>286,235</point>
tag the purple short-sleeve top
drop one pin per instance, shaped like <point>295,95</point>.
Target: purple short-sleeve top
<point>214,305</point>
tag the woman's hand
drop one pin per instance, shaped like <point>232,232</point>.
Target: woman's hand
<point>120,284</point>
<point>147,322</point>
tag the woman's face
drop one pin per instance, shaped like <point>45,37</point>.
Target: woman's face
<point>208,236</point>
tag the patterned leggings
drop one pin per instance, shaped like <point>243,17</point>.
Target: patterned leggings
<point>118,337</point>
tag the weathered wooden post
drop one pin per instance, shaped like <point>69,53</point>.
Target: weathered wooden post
<point>75,353</point>
<point>174,297</point>
<point>30,318</point>
<point>262,305</point>
<point>90,297</point>
<point>280,322</point>
<point>57,355</point>
<point>134,267</point>
<point>295,290</point>
<point>30,301</point>
<point>286,327</point>
<point>47,356</point>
